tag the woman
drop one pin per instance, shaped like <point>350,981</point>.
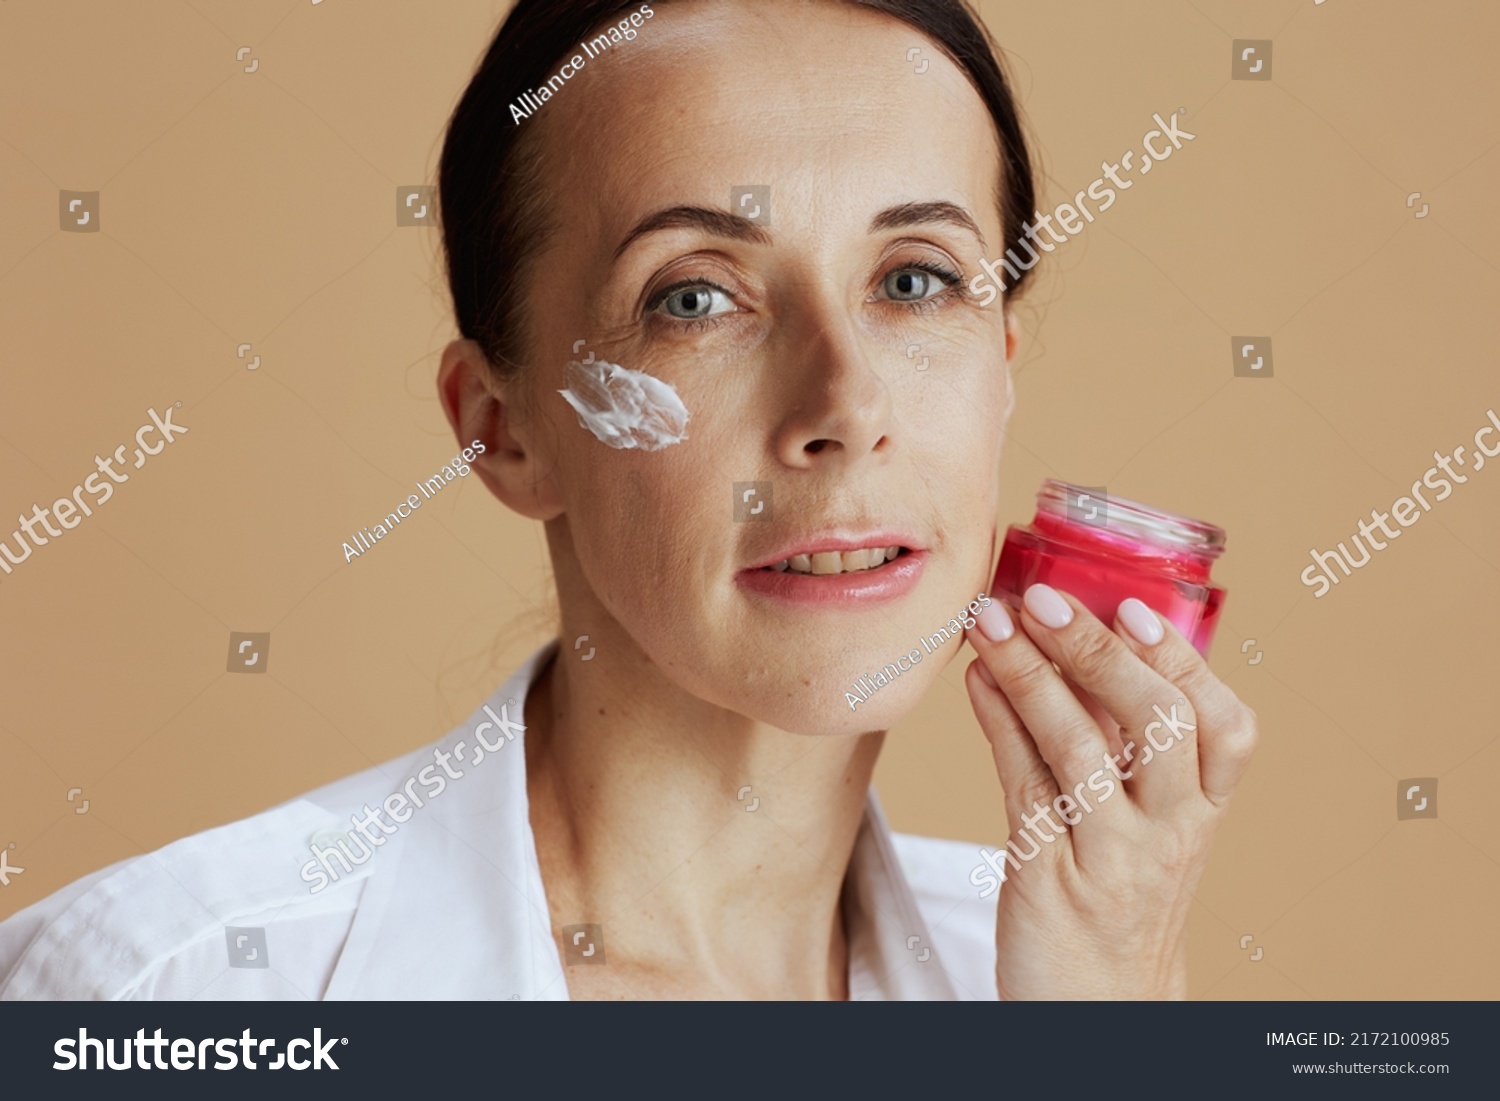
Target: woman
<point>691,246</point>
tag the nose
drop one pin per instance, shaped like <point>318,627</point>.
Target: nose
<point>839,407</point>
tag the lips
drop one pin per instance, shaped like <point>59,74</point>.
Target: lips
<point>839,569</point>
<point>839,551</point>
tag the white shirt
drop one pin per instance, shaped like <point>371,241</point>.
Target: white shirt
<point>450,905</point>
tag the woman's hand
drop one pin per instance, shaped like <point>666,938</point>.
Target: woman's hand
<point>1100,910</point>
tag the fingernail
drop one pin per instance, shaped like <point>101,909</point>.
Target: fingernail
<point>984,673</point>
<point>1047,607</point>
<point>1140,621</point>
<point>995,624</point>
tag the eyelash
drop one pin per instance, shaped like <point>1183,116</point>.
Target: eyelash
<point>955,288</point>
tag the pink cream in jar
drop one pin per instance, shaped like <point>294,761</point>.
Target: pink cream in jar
<point>1103,549</point>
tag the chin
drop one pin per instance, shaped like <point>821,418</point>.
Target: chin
<point>837,700</point>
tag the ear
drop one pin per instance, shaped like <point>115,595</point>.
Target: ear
<point>481,408</point>
<point>1012,350</point>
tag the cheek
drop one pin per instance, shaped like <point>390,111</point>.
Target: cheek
<point>639,523</point>
<point>624,409</point>
<point>956,423</point>
<point>652,459</point>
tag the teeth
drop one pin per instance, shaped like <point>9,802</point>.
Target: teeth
<point>826,563</point>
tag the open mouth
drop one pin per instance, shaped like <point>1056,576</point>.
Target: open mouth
<point>828,563</point>
<point>840,570</point>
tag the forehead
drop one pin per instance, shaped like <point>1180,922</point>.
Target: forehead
<point>817,100</point>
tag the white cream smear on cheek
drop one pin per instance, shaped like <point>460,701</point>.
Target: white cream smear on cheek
<point>625,409</point>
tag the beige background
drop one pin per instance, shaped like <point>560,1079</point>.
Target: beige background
<point>259,207</point>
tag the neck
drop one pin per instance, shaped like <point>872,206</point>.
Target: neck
<point>643,825</point>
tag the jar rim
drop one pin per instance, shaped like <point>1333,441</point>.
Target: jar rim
<point>1150,525</point>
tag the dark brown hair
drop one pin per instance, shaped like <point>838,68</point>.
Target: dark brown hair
<point>489,186</point>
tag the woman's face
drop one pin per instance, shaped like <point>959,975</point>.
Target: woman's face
<point>831,351</point>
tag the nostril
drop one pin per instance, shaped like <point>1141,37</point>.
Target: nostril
<point>816,446</point>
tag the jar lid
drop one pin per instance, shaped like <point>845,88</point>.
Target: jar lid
<point>1148,525</point>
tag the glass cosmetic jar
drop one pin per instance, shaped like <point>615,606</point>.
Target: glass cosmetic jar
<point>1103,549</point>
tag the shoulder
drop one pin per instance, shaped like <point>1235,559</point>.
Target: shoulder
<point>222,914</point>
<point>961,922</point>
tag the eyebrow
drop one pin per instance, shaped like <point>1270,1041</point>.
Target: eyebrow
<point>719,223</point>
<point>919,214</point>
<point>715,222</point>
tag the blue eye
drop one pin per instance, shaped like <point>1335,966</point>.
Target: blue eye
<point>697,301</point>
<point>915,284</point>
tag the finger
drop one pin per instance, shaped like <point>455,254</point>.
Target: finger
<point>1024,775</point>
<point>1069,740</point>
<point>1228,731</point>
<point>1141,700</point>
<point>1100,715</point>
